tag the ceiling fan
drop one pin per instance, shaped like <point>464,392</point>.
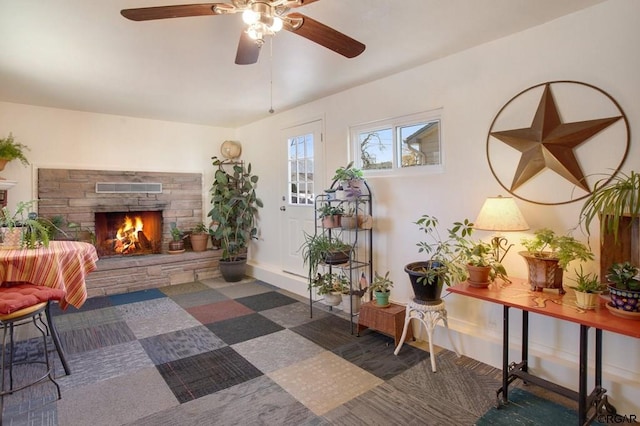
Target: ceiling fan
<point>263,17</point>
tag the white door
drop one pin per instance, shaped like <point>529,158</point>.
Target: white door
<point>303,180</point>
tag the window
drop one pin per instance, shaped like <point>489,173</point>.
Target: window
<point>399,143</point>
<point>301,169</point>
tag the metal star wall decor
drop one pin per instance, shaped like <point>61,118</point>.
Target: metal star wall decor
<point>550,144</point>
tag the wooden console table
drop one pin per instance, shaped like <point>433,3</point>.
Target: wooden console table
<point>389,321</point>
<point>518,295</point>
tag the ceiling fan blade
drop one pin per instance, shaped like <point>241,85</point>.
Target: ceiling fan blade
<point>302,3</point>
<point>325,36</point>
<point>176,11</point>
<point>248,50</point>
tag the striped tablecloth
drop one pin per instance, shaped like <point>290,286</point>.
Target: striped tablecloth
<point>64,265</point>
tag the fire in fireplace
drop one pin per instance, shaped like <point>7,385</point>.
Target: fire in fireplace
<point>128,233</point>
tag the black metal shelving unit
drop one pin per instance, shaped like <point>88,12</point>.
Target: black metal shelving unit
<point>360,239</point>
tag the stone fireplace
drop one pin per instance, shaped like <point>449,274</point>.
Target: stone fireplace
<point>100,202</point>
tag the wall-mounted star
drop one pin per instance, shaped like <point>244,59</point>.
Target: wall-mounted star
<point>550,143</point>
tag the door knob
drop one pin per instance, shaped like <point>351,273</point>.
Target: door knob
<point>283,208</point>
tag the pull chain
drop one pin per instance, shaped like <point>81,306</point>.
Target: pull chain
<point>271,110</point>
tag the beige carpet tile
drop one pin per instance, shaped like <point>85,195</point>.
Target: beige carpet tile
<point>72,319</point>
<point>219,282</point>
<point>157,316</point>
<point>324,381</point>
<point>198,298</point>
<point>244,289</point>
<point>292,315</point>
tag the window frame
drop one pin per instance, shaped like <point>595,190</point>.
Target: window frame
<point>394,124</point>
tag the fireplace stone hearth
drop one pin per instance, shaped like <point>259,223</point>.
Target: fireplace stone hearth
<point>71,194</point>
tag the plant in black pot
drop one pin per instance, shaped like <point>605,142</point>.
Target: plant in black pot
<point>234,206</point>
<point>548,255</point>
<point>446,264</point>
<point>624,289</point>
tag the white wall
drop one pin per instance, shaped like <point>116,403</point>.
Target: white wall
<point>598,46</point>
<point>71,139</point>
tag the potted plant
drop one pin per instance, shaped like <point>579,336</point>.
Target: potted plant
<point>322,248</point>
<point>331,286</point>
<point>548,255</point>
<point>330,215</point>
<point>11,150</point>
<point>22,229</point>
<point>234,205</point>
<point>624,288</point>
<point>381,287</point>
<point>199,237</point>
<point>587,289</point>
<point>446,264</point>
<point>615,201</point>
<point>349,177</point>
<point>482,265</point>
<point>176,245</point>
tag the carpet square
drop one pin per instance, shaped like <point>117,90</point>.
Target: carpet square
<point>219,311</point>
<point>136,296</point>
<point>240,329</point>
<point>156,316</point>
<point>97,302</point>
<point>324,382</point>
<point>204,297</point>
<point>199,375</point>
<point>264,301</point>
<point>173,290</point>
<point>85,339</point>
<point>180,344</point>
<point>243,289</point>
<point>316,331</point>
<point>82,319</point>
<point>374,353</point>
<point>292,315</point>
<point>277,350</point>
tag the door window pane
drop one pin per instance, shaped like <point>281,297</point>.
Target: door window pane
<point>301,169</point>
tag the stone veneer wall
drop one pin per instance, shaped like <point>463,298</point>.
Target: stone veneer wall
<point>71,194</point>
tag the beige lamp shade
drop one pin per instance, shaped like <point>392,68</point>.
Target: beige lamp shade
<point>231,149</point>
<point>500,214</point>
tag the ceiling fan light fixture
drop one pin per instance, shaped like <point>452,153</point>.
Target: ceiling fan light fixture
<point>250,17</point>
<point>276,25</point>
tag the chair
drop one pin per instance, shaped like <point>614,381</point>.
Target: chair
<point>21,304</point>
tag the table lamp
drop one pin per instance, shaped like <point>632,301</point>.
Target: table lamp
<point>500,214</point>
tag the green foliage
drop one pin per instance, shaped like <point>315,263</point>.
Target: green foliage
<point>12,150</point>
<point>200,228</point>
<point>446,255</point>
<point>482,254</point>
<point>329,209</point>
<point>330,283</point>
<point>624,276</point>
<point>611,201</point>
<point>33,232</point>
<point>176,233</point>
<point>381,283</point>
<point>546,244</point>
<point>348,173</point>
<point>586,283</point>
<point>316,247</point>
<point>235,207</point>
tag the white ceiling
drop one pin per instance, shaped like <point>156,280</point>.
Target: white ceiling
<point>83,55</point>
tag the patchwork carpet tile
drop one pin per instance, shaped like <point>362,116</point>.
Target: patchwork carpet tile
<point>199,375</point>
<point>316,331</point>
<point>80,340</point>
<point>277,350</point>
<point>219,311</point>
<point>264,301</point>
<point>184,288</point>
<point>136,296</point>
<point>187,300</point>
<point>324,381</point>
<point>178,344</point>
<point>239,329</point>
<point>292,315</point>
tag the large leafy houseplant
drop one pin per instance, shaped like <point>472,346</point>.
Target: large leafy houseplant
<point>234,206</point>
